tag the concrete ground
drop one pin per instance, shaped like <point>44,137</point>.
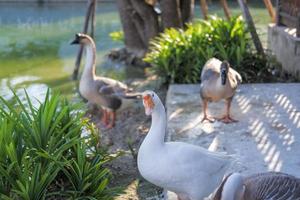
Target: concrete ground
<point>266,138</point>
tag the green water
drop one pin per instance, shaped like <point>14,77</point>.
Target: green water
<point>34,46</point>
<point>34,43</point>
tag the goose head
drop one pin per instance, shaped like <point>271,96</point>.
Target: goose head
<point>151,102</point>
<point>231,188</point>
<point>224,68</point>
<point>81,38</point>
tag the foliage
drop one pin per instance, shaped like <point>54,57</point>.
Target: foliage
<point>41,145</point>
<point>178,55</point>
<point>117,36</point>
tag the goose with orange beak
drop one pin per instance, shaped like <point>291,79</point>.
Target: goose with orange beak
<point>148,104</point>
<point>190,171</point>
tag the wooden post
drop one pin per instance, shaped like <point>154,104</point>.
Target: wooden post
<point>251,26</point>
<point>277,12</point>
<point>298,26</point>
<point>226,9</point>
<point>93,22</point>
<point>269,6</point>
<point>204,9</point>
<point>85,29</point>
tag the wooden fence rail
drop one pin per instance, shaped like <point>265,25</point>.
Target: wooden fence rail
<point>288,14</point>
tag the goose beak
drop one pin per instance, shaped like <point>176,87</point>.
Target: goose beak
<point>76,41</point>
<point>148,104</point>
<point>223,77</point>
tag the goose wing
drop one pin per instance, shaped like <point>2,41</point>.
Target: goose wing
<point>211,69</point>
<point>114,88</point>
<point>108,86</point>
<point>234,77</point>
<point>272,186</point>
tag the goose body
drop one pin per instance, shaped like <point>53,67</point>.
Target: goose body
<point>263,186</point>
<point>190,171</point>
<point>218,81</point>
<point>102,91</point>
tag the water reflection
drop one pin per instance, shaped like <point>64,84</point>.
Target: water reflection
<point>36,91</point>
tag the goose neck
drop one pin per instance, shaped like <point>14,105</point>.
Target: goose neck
<point>156,135</point>
<point>89,68</point>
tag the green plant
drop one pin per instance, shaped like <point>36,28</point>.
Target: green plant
<point>39,146</point>
<point>179,55</point>
<point>117,36</point>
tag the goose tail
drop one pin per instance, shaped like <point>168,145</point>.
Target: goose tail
<point>136,95</point>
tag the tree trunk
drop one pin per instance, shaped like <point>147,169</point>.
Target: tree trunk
<point>133,41</point>
<point>187,10</point>
<point>226,9</point>
<point>141,23</point>
<point>149,20</point>
<point>251,26</point>
<point>269,6</point>
<point>204,9</point>
<point>171,15</point>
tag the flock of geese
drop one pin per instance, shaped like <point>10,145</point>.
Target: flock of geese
<point>190,171</point>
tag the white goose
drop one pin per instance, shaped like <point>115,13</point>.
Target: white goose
<point>264,186</point>
<point>190,171</point>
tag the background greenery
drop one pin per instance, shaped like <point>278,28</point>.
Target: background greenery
<point>179,55</point>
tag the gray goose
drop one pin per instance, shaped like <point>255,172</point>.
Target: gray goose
<point>105,92</point>
<point>218,81</point>
<point>263,186</point>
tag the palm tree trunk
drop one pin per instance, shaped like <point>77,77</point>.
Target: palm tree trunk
<point>204,9</point>
<point>171,15</point>
<point>226,9</point>
<point>187,10</point>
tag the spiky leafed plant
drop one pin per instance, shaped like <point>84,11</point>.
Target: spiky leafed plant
<point>39,144</point>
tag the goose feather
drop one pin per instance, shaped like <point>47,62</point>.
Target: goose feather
<point>262,186</point>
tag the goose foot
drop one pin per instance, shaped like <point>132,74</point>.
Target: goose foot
<point>112,117</point>
<point>109,126</point>
<point>209,119</point>
<point>227,119</point>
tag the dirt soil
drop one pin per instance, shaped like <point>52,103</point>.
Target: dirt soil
<point>131,128</point>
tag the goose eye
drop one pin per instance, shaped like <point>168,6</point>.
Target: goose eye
<point>152,95</point>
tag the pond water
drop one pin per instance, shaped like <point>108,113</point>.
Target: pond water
<point>34,46</point>
<point>34,43</point>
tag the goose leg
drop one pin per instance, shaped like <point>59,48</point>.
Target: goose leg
<point>182,197</point>
<point>205,117</point>
<point>112,116</point>
<point>104,118</point>
<point>227,119</point>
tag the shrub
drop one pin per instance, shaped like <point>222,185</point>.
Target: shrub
<point>179,55</point>
<point>42,153</point>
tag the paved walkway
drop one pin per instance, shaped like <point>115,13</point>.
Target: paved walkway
<point>267,136</point>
